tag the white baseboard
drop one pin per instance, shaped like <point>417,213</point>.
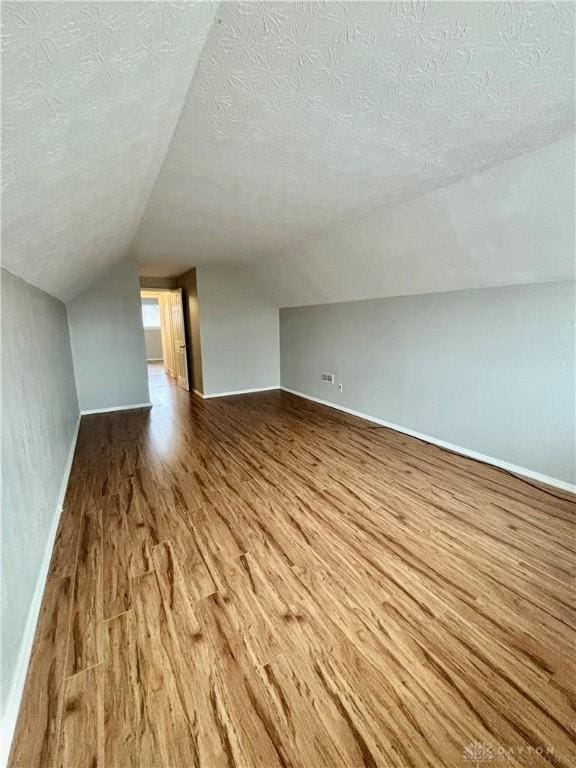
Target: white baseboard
<point>513,468</point>
<point>236,392</point>
<point>132,407</point>
<point>197,392</point>
<point>154,359</point>
<point>10,714</point>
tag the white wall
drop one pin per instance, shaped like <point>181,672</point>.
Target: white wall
<point>39,417</point>
<point>108,342</point>
<point>238,329</point>
<point>153,343</point>
<point>512,224</point>
<point>152,336</point>
<point>491,370</point>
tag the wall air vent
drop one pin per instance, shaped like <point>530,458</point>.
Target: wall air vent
<point>327,378</point>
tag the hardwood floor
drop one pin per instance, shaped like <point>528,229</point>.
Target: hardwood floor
<point>158,377</point>
<point>261,581</point>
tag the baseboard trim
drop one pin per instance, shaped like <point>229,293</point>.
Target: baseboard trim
<point>237,392</point>
<point>513,468</point>
<point>154,359</point>
<point>132,407</point>
<point>10,716</point>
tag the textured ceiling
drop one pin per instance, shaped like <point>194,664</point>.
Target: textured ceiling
<point>91,93</point>
<point>295,118</point>
<point>305,115</point>
<point>510,225</point>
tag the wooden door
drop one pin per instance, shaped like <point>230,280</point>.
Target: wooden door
<point>179,337</point>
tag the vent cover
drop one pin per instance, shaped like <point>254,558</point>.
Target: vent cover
<point>327,378</point>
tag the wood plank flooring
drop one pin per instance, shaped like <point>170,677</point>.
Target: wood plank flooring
<point>261,581</point>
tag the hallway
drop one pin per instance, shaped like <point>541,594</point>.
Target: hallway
<point>157,376</point>
<point>262,581</point>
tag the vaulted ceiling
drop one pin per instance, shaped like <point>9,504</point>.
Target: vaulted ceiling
<point>187,133</point>
<point>91,94</point>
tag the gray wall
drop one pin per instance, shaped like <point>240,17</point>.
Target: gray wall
<point>151,283</point>
<point>108,342</point>
<point>238,329</point>
<point>39,415</point>
<point>189,286</point>
<point>490,370</point>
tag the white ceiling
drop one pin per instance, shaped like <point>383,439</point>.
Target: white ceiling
<point>91,93</point>
<point>299,117</point>
<point>305,115</point>
<point>510,225</point>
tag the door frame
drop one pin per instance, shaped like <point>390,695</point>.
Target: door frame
<point>156,293</point>
<point>182,347</point>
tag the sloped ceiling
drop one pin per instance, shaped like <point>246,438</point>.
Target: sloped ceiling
<point>303,116</point>
<point>299,117</point>
<point>91,93</point>
<point>510,225</point>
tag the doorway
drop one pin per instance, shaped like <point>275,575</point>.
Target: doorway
<point>165,337</point>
